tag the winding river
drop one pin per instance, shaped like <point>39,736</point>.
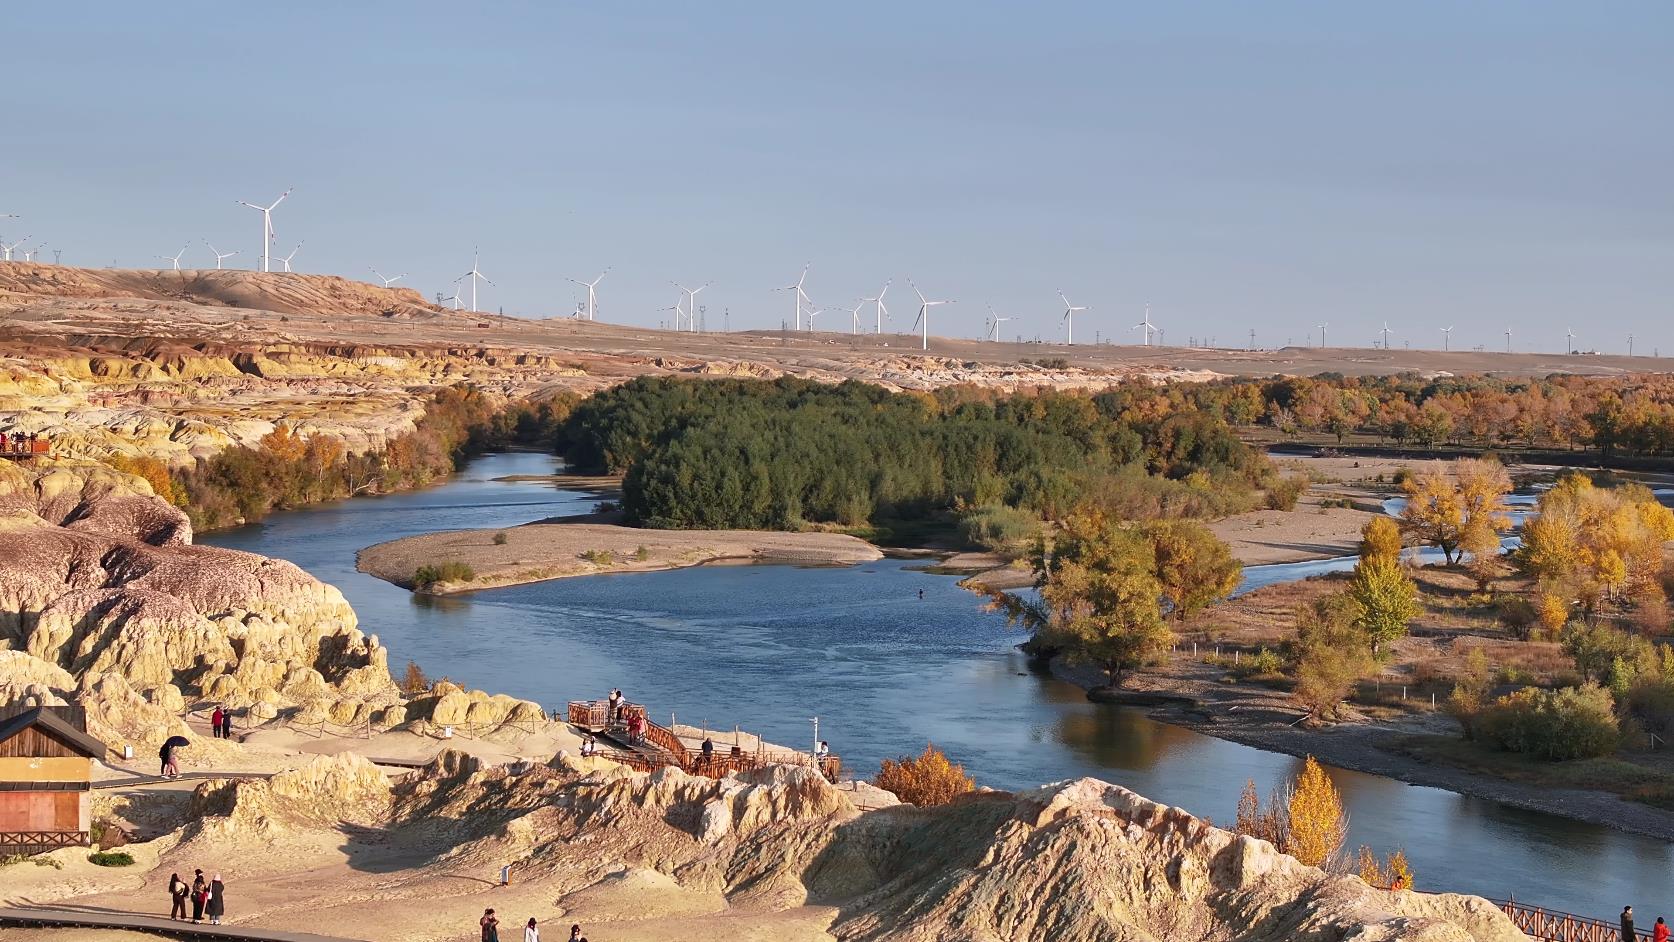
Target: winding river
<point>771,647</point>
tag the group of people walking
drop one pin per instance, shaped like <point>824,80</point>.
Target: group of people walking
<point>220,723</point>
<point>207,898</point>
<point>1659,930</point>
<point>490,924</point>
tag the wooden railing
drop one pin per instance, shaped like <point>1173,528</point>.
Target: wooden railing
<point>667,748</point>
<point>17,449</point>
<point>1552,926</point>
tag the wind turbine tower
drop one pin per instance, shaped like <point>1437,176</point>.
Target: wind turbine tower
<point>883,312</point>
<point>474,274</point>
<point>286,261</point>
<point>1322,332</point>
<point>167,258</point>
<point>7,250</point>
<point>380,276</point>
<point>1146,325</point>
<point>691,303</point>
<point>994,322</point>
<point>1447,338</point>
<point>1569,340</point>
<point>1386,335</point>
<point>1069,317</point>
<point>924,306</point>
<point>267,225</point>
<point>798,295</point>
<point>592,294</point>
<point>1508,340</point>
<point>854,317</point>
<point>219,255</point>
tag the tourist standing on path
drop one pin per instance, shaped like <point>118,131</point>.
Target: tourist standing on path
<point>200,895</point>
<point>612,706</point>
<point>1659,932</point>
<point>1627,925</point>
<point>490,926</point>
<point>178,891</point>
<point>530,933</point>
<point>226,725</point>
<point>217,900</point>
<point>215,723</point>
<point>575,934</point>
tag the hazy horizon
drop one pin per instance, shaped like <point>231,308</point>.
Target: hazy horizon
<point>1274,167</point>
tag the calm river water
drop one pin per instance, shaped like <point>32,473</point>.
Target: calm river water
<point>771,647</point>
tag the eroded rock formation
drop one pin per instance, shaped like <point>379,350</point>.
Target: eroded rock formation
<point>99,580</point>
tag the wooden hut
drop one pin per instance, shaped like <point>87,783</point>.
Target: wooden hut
<point>46,779</point>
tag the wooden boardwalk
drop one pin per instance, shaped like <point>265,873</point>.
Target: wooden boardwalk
<point>137,922</point>
<point>1549,925</point>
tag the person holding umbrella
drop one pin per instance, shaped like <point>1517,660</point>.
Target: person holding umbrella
<point>171,765</point>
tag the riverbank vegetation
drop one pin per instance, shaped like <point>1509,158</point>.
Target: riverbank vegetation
<point>786,454</point>
<point>1103,584</point>
<point>1305,818</point>
<point>287,469</point>
<point>1610,416</point>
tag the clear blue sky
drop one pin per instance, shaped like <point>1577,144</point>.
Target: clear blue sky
<point>1238,165</point>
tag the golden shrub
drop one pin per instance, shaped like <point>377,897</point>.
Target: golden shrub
<point>927,780</point>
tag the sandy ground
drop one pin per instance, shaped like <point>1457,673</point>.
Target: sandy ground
<point>555,550</point>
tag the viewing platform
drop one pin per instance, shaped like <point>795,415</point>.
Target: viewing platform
<point>660,746</point>
<point>22,449</point>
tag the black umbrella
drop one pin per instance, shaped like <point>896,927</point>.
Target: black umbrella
<point>173,743</point>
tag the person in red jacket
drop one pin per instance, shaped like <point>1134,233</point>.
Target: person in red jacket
<point>1659,932</point>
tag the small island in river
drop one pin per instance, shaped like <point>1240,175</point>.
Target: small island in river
<point>467,560</point>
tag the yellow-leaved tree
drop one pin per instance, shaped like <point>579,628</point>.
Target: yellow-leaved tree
<point>1195,568</point>
<point>1381,539</point>
<point>1304,819</point>
<point>1444,501</point>
<point>1318,825</point>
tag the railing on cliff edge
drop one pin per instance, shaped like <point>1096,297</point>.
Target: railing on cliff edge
<point>1550,925</point>
<point>669,749</point>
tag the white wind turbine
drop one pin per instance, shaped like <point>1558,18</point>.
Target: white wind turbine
<point>1322,332</point>
<point>8,249</point>
<point>219,255</point>
<point>1146,325</point>
<point>1386,333</point>
<point>994,322</point>
<point>267,224</point>
<point>29,254</point>
<point>924,306</point>
<point>455,299</point>
<point>1447,337</point>
<point>679,313</point>
<point>816,312</point>
<point>1508,340</point>
<point>1569,340</point>
<point>798,295</point>
<point>883,312</point>
<point>1069,316</point>
<point>691,302</point>
<point>170,258</point>
<point>592,294</point>
<point>387,281</point>
<point>474,274</point>
<point>286,261</point>
<point>854,316</point>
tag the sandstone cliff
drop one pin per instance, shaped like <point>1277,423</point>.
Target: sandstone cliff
<point>1078,861</point>
<point>99,581</point>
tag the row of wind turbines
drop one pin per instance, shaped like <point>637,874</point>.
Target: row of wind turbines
<point>685,310</point>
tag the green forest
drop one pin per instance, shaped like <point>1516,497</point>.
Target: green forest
<point>787,453</point>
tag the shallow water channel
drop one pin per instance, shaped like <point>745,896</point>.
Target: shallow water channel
<point>771,647</point>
